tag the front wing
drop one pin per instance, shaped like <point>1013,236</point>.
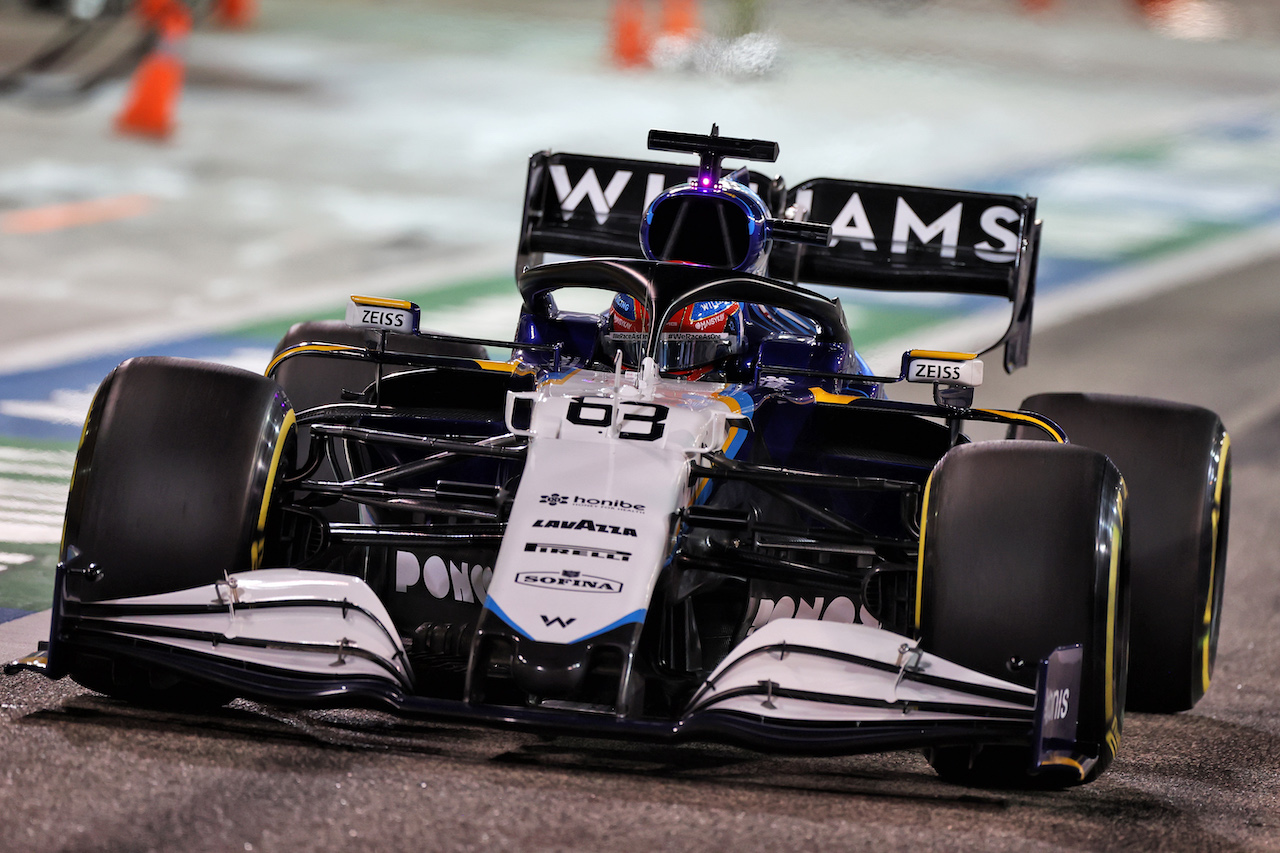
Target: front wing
<point>803,686</point>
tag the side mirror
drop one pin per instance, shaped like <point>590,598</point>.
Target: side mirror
<point>384,315</point>
<point>953,375</point>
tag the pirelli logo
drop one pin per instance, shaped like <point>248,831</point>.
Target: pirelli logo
<point>578,551</point>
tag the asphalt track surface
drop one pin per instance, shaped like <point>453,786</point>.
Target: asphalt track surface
<point>81,772</point>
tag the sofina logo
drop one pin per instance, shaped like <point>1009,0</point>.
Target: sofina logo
<point>557,499</point>
<point>569,582</point>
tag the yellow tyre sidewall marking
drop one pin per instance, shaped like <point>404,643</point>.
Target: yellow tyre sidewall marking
<point>1206,673</point>
<point>259,542</point>
<point>1113,589</point>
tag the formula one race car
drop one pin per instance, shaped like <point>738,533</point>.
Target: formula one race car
<point>692,513</point>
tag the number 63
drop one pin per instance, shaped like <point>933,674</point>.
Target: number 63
<point>599,413</point>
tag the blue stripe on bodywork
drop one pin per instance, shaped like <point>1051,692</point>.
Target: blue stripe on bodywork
<point>634,616</point>
<point>746,403</point>
<point>739,436</point>
<point>511,623</point>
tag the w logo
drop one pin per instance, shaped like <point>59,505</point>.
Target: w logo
<point>563,623</point>
<point>588,187</point>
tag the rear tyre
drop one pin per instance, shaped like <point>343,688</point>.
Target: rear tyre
<point>315,381</point>
<point>1022,552</point>
<point>174,487</point>
<point>1176,462</point>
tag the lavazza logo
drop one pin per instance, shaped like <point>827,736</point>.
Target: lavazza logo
<point>556,499</point>
<point>584,524</point>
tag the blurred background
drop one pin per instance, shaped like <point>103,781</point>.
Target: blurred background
<point>191,178</point>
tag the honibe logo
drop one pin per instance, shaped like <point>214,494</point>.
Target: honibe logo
<point>557,499</point>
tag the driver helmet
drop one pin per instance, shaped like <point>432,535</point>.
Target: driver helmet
<point>695,341</point>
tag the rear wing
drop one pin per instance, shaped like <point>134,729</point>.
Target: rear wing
<point>884,236</point>
<point>920,240</point>
<point>576,204</point>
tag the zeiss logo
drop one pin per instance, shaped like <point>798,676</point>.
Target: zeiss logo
<point>557,499</point>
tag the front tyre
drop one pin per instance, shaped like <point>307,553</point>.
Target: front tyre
<point>1022,551</point>
<point>174,487</point>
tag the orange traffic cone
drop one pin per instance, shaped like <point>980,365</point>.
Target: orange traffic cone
<point>153,96</point>
<point>679,18</point>
<point>630,42</point>
<point>235,14</point>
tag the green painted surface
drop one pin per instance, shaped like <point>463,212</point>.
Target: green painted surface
<point>34,476</point>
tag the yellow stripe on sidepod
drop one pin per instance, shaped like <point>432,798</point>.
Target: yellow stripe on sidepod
<point>301,348</point>
<point>500,366</point>
<point>822,396</point>
<point>1058,435</point>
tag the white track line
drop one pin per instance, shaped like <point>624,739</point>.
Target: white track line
<point>1127,285</point>
<point>31,508</point>
<point>1093,296</point>
<point>84,343</point>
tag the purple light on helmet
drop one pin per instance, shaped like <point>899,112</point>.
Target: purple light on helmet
<point>706,181</point>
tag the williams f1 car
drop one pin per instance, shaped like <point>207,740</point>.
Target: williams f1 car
<point>693,513</point>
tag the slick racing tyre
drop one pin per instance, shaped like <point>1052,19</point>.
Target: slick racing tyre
<point>174,487</point>
<point>1022,552</point>
<point>1176,462</point>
